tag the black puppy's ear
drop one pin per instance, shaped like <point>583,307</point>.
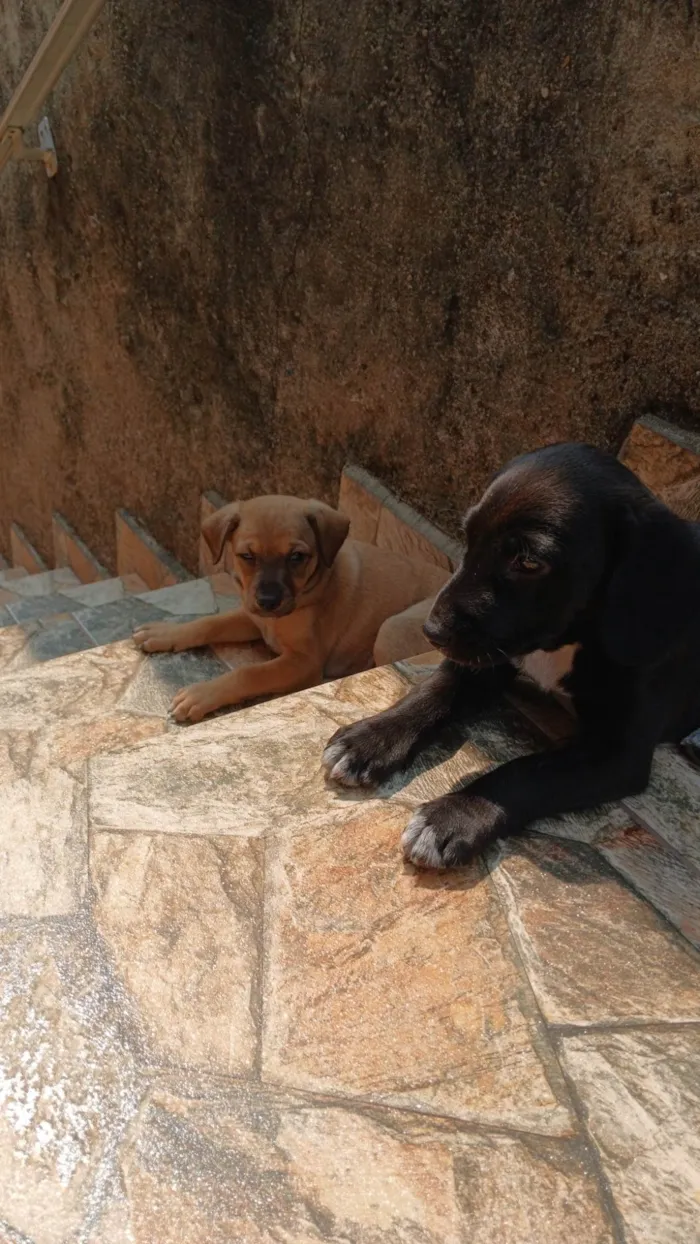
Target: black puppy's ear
<point>219,526</point>
<point>330,528</point>
<point>653,595</point>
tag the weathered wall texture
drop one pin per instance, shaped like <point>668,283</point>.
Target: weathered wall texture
<point>422,234</point>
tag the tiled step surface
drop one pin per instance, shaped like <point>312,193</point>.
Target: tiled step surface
<point>230,1012</point>
<point>38,622</point>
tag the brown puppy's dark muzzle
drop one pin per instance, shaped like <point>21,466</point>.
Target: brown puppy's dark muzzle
<point>272,597</point>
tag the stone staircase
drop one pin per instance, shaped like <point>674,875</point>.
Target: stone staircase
<point>230,1013</point>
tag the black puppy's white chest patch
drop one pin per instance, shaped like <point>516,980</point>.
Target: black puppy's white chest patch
<point>547,669</point>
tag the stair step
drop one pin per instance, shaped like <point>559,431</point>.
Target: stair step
<point>70,550</point>
<point>106,624</point>
<point>56,593</point>
<point>46,583</point>
<point>43,628</point>
<point>194,597</point>
<point>100,592</point>
<point>23,647</point>
<point>12,574</point>
<point>138,553</point>
<point>23,552</point>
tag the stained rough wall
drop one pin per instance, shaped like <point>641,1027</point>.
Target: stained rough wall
<point>421,234</point>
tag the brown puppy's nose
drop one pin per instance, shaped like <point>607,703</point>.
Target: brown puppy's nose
<point>269,596</point>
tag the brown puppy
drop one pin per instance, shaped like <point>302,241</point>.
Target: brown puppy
<point>317,599</point>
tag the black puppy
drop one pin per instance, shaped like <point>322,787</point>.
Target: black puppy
<point>575,573</point>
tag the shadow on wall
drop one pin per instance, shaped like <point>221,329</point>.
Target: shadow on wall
<point>423,236</point>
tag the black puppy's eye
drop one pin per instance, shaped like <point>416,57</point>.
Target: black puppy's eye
<point>524,564</point>
<point>297,557</point>
<point>247,557</point>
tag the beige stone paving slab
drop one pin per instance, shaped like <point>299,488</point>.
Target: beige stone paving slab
<point>68,1080</point>
<point>670,805</point>
<point>113,1226</point>
<point>71,742</point>
<point>13,646</point>
<point>84,686</point>
<point>594,951</point>
<point>396,986</point>
<point>641,1096</point>
<point>180,918</point>
<point>43,830</point>
<point>242,773</point>
<point>263,1168</point>
<point>658,872</point>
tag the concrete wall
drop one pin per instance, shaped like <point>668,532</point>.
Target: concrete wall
<point>421,234</point>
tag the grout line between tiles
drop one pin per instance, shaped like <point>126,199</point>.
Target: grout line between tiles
<point>205,1083</point>
<point>258,989</point>
<point>624,1025</point>
<point>605,1192</point>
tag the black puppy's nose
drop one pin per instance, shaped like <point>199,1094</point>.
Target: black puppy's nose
<point>436,632</point>
<point>269,596</point>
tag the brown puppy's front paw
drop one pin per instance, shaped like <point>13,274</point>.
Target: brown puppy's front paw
<point>158,637</point>
<point>194,702</point>
<point>450,831</point>
<point>367,752</point>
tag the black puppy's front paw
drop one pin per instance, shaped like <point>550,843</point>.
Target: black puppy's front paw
<point>367,752</point>
<point>450,831</point>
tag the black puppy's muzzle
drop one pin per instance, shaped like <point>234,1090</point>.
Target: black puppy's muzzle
<point>437,632</point>
<point>460,638</point>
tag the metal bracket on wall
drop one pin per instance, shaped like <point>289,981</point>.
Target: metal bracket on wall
<point>45,152</point>
<point>69,27</point>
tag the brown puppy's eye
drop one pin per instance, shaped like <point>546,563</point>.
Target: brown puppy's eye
<point>297,557</point>
<point>247,557</point>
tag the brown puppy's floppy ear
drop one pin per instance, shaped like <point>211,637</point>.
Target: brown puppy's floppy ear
<point>219,526</point>
<point>653,596</point>
<point>330,528</point>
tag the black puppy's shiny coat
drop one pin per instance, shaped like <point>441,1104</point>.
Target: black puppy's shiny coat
<point>566,547</point>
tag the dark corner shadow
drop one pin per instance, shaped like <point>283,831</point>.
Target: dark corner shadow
<point>567,860</point>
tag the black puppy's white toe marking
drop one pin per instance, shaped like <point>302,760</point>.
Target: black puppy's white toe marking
<point>419,842</point>
<point>341,766</point>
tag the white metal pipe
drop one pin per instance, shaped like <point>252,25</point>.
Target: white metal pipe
<point>69,27</point>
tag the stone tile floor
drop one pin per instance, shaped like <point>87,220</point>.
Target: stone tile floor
<point>229,1012</point>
